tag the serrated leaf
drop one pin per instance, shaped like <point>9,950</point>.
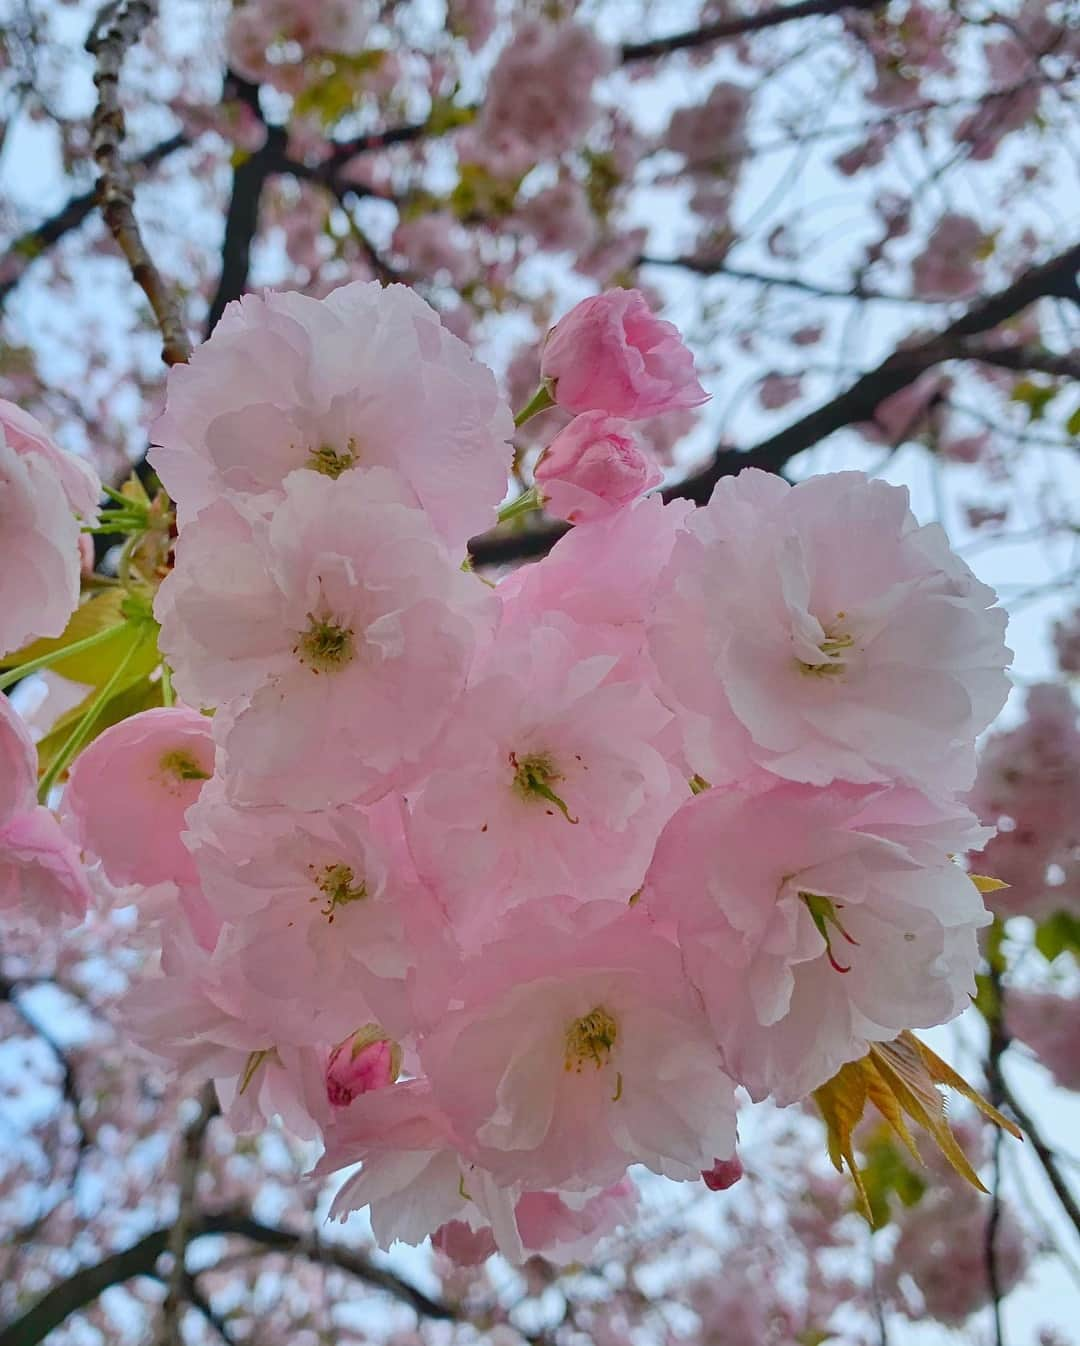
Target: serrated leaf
<point>901,1079</point>
<point>1058,934</point>
<point>144,695</point>
<point>93,666</point>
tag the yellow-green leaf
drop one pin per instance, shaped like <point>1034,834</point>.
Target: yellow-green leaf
<point>901,1079</point>
<point>93,666</point>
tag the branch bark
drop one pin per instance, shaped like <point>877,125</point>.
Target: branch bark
<point>84,1286</point>
<point>118,27</point>
<point>740,25</point>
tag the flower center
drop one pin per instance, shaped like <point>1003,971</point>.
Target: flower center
<point>533,778</point>
<point>823,913</point>
<point>833,651</point>
<point>325,647</point>
<point>339,885</point>
<point>590,1038</point>
<point>331,462</point>
<point>181,765</point>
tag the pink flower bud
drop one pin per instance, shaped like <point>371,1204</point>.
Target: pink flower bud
<point>359,1064</point>
<point>611,353</point>
<point>724,1173</point>
<point>464,1246</point>
<point>593,468</point>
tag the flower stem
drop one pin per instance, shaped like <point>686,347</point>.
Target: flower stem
<point>540,401</point>
<point>168,696</point>
<point>83,729</point>
<point>523,504</point>
<point>54,656</point>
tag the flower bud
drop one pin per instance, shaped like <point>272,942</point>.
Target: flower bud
<point>724,1173</point>
<point>611,353</point>
<point>368,1060</point>
<point>593,468</point>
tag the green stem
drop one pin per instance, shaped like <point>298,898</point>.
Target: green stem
<point>525,503</point>
<point>83,729</point>
<point>540,401</point>
<point>54,656</point>
<point>168,696</point>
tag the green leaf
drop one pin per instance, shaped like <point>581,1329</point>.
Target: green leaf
<point>95,665</point>
<point>1058,934</point>
<point>1035,396</point>
<point>1072,425</point>
<point>886,1172</point>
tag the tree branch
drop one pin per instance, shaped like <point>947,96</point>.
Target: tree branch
<point>1045,1156</point>
<point>1056,277</point>
<point>740,25</point>
<point>84,1286</point>
<point>29,246</point>
<point>190,1161</point>
<point>116,30</point>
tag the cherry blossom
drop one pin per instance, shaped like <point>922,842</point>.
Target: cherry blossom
<point>815,922</point>
<point>364,378</point>
<point>818,632</point>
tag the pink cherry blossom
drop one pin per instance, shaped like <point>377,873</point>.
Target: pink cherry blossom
<point>128,792</point>
<point>325,918</point>
<point>39,544</point>
<point>814,922</point>
<point>550,779</point>
<point>343,621</point>
<point>1048,1023</point>
<point>565,1227</point>
<point>78,480</point>
<point>367,377</point>
<point>949,267</point>
<point>414,1177</point>
<point>1028,787</point>
<point>611,353</point>
<point>40,870</point>
<point>18,764</point>
<point>586,1052</point>
<point>818,632</point>
<point>594,468</point>
<point>540,90</point>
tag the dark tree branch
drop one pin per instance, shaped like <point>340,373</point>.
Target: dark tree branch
<point>1027,358</point>
<point>740,25</point>
<point>242,220</point>
<point>84,1286</point>
<point>857,404</point>
<point>189,1163</point>
<point>118,27</point>
<point>1045,1155</point>
<point>28,247</point>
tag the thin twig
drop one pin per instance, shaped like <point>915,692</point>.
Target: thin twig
<point>118,27</point>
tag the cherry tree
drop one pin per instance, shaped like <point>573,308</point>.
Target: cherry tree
<point>490,751</point>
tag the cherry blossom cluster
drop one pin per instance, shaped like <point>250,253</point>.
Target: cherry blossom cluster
<point>498,890</point>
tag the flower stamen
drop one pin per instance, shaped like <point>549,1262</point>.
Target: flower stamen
<point>823,913</point>
<point>591,1038</point>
